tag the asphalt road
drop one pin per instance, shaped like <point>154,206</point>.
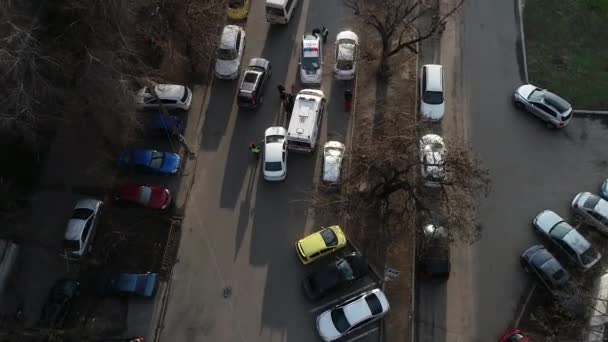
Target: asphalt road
<point>238,276</point>
<point>531,167</point>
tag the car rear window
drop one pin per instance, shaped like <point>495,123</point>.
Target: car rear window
<point>186,91</point>
<point>339,319</point>
<point>157,160</point>
<point>433,97</point>
<point>558,275</point>
<point>591,202</point>
<point>374,304</point>
<point>589,255</point>
<point>299,144</point>
<point>560,230</point>
<point>329,237</point>
<point>273,166</point>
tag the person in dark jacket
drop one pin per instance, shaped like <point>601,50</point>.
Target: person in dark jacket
<point>348,100</point>
<point>324,33</point>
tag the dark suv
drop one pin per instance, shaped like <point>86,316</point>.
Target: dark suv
<point>434,252</point>
<point>341,272</point>
<point>251,90</point>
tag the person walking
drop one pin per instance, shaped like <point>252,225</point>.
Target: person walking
<point>316,32</point>
<point>324,33</point>
<point>255,149</point>
<point>348,100</point>
<point>282,93</point>
<point>290,103</point>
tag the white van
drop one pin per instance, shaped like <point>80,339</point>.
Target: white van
<point>311,59</point>
<point>280,11</point>
<point>305,123</point>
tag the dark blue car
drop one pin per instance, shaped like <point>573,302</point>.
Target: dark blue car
<point>166,124</point>
<point>150,161</point>
<point>129,284</point>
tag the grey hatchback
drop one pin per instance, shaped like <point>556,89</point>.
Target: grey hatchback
<point>549,107</point>
<point>545,267</point>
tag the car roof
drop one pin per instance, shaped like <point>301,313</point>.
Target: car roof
<point>346,51</point>
<point>359,310</point>
<point>75,226</point>
<point>556,102</point>
<point>433,77</point>
<point>229,34</point>
<point>273,152</point>
<point>259,63</point>
<point>312,243</point>
<point>577,241</point>
<point>169,91</point>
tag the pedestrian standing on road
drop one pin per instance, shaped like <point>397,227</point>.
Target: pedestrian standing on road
<point>348,99</point>
<point>324,33</point>
<point>316,32</point>
<point>290,103</point>
<point>282,92</point>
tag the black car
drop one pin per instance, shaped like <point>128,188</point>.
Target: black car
<point>58,304</point>
<point>341,272</point>
<point>434,252</point>
<point>545,267</point>
<point>251,90</point>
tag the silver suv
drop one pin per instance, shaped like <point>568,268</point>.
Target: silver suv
<point>549,107</point>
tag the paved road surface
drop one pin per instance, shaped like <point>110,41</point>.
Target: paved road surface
<point>239,231</point>
<point>532,168</point>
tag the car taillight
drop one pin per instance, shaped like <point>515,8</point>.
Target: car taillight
<point>253,100</point>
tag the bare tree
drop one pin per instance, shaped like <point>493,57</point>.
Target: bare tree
<point>397,22</point>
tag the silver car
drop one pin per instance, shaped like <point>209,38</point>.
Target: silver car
<point>549,107</point>
<point>333,153</point>
<point>567,239</point>
<point>592,209</point>
<point>432,160</point>
<point>81,228</point>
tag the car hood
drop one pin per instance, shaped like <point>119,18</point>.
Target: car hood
<point>525,90</point>
<point>432,111</point>
<point>171,163</point>
<point>546,220</point>
<point>226,68</point>
<point>326,328</point>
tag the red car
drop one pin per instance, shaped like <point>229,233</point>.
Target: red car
<point>514,335</point>
<point>149,196</point>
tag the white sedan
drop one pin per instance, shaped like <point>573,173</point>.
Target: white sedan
<point>432,160</point>
<point>347,43</point>
<point>275,154</point>
<point>352,314</point>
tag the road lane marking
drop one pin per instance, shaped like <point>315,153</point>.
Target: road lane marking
<point>348,295</point>
<point>526,302</point>
<point>362,335</point>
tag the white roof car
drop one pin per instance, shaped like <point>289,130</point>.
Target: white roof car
<point>592,209</point>
<point>305,121</point>
<point>346,52</point>
<point>311,59</point>
<point>230,52</point>
<point>81,227</point>
<point>567,239</point>
<point>275,154</point>
<point>544,104</point>
<point>172,96</point>
<point>432,103</point>
<point>352,314</point>
<point>333,153</point>
<point>432,159</point>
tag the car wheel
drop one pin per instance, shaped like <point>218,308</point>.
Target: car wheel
<point>518,105</point>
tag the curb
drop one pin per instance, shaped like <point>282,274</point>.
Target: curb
<point>522,38</point>
<point>585,112</point>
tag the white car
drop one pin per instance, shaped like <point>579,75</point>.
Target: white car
<point>81,228</point>
<point>352,314</point>
<point>333,153</point>
<point>275,154</point>
<point>347,43</point>
<point>311,59</point>
<point>172,96</point>
<point>230,53</point>
<point>432,102</point>
<point>549,107</point>
<point>604,190</point>
<point>432,160</point>
<point>592,209</point>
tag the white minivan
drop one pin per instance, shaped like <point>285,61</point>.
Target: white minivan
<point>280,11</point>
<point>305,122</point>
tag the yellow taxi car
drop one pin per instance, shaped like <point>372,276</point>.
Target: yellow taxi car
<point>238,9</point>
<point>321,243</point>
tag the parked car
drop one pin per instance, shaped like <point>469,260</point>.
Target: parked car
<point>333,153</point>
<point>172,96</point>
<point>545,268</point>
<point>81,228</point>
<point>604,190</point>
<point>127,284</point>
<point>321,243</point>
<point>347,43</point>
<point>334,275</point>
<point>352,314</point>
<point>230,52</point>
<point>434,253</point>
<point>432,102</point>
<point>161,124</point>
<point>432,160</point>
<point>9,253</point>
<point>150,161</point>
<point>149,196</point>
<point>549,107</point>
<point>514,335</point>
<point>238,9</point>
<point>593,210</point>
<point>251,90</point>
<point>275,154</point>
<point>567,239</point>
<point>311,59</point>
<point>58,304</point>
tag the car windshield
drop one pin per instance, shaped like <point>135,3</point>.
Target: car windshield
<point>560,230</point>
<point>226,54</point>
<point>310,59</point>
<point>591,201</point>
<point>145,194</point>
<point>558,275</point>
<point>339,319</point>
<point>273,166</point>
<point>334,152</point>
<point>344,65</point>
<point>329,237</point>
<point>345,269</point>
<point>82,213</point>
<point>374,304</point>
<point>589,255</point>
<point>536,95</point>
<point>71,245</point>
<point>433,97</point>
<point>235,3</point>
<point>274,138</point>
<point>250,77</point>
<point>157,160</point>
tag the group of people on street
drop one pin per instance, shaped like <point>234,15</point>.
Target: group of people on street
<point>287,98</point>
<point>323,32</point>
